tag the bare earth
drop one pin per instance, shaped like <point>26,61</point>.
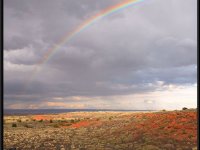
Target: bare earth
<point>164,130</point>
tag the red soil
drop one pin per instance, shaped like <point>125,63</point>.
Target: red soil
<point>179,126</point>
<point>42,117</point>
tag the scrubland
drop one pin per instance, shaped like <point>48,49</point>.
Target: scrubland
<point>162,130</point>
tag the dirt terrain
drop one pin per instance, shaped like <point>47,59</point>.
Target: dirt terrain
<point>163,130</point>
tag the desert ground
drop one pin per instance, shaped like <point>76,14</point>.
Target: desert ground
<point>162,130</point>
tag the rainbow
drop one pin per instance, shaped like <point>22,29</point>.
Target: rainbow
<point>104,13</point>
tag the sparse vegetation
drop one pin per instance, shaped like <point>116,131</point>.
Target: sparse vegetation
<point>14,125</point>
<point>28,126</point>
<point>68,124</point>
<point>72,121</point>
<point>56,126</point>
<point>127,130</point>
<point>41,120</point>
<point>19,120</point>
<point>184,108</point>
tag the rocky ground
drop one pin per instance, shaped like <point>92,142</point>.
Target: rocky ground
<point>164,130</point>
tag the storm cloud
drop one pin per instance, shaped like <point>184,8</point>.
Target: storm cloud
<point>140,50</point>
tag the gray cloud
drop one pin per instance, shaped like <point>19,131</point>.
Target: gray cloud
<point>129,52</point>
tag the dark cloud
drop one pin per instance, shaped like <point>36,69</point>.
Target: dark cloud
<point>138,50</point>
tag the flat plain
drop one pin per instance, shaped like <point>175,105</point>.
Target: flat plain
<point>161,130</point>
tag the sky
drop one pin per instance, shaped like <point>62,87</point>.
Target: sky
<point>141,57</point>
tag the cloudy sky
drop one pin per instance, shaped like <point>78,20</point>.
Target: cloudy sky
<point>141,57</point>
